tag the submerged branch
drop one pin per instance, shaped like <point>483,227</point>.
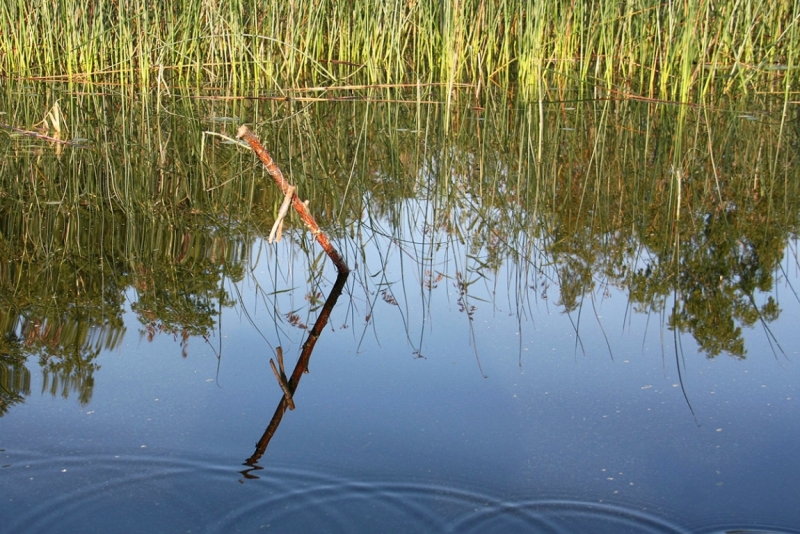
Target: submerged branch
<point>300,368</point>
<point>281,377</point>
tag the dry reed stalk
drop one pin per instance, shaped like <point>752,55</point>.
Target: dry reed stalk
<point>38,135</point>
<point>246,135</point>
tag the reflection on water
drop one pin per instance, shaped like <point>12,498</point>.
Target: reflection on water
<point>471,376</point>
<point>290,386</point>
<point>693,231</point>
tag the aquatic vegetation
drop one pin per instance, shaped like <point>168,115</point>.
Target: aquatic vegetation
<point>682,51</point>
<point>604,183</point>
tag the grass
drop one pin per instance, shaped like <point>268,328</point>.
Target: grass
<point>680,51</point>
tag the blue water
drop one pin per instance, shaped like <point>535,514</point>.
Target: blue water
<point>507,423</point>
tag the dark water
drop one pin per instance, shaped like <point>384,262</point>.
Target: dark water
<point>449,391</point>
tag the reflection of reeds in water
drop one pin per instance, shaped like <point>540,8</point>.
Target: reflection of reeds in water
<point>563,199</point>
<point>623,195</point>
<point>657,49</point>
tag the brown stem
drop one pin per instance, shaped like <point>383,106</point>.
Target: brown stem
<point>245,134</point>
<point>297,374</point>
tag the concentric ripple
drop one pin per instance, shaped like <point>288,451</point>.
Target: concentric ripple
<point>165,494</point>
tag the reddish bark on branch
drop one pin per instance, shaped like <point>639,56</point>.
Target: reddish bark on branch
<point>300,207</point>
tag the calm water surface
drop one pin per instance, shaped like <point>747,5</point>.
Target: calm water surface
<point>530,434</point>
<point>442,395</point>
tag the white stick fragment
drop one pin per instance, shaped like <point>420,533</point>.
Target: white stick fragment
<point>277,228</point>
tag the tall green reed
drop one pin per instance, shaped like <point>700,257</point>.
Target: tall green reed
<point>666,50</point>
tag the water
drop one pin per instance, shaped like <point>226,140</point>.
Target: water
<point>456,387</point>
<point>550,439</point>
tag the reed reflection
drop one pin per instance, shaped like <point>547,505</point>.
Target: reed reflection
<point>566,200</point>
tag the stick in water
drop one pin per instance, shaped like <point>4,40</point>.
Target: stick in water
<point>246,135</point>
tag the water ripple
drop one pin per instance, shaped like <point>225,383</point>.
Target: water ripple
<point>141,492</point>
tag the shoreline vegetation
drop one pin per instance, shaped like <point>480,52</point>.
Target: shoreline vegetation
<point>678,51</point>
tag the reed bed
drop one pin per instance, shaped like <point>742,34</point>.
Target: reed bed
<point>680,51</point>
